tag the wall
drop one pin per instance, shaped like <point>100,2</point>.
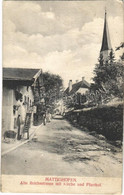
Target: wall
<point>7,109</point>
<point>9,118</point>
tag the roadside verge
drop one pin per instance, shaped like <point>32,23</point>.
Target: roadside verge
<point>9,147</point>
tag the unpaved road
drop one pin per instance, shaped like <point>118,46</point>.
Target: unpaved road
<point>61,149</point>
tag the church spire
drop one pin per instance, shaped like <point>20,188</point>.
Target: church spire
<point>106,43</point>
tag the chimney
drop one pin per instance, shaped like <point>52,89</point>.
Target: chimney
<point>70,85</point>
<point>83,79</point>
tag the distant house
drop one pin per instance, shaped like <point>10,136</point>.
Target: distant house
<point>18,95</point>
<point>77,90</point>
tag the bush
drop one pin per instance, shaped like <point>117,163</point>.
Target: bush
<point>107,121</point>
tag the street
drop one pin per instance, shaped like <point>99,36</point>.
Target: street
<point>61,149</point>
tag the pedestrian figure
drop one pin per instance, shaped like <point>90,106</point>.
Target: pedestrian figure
<point>18,125</point>
<point>44,118</point>
<point>48,117</point>
<point>78,117</point>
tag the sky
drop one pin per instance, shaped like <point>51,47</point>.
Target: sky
<point>62,37</point>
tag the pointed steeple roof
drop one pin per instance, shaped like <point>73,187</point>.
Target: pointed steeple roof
<point>106,43</point>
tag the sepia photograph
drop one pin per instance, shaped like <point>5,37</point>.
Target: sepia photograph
<point>62,104</point>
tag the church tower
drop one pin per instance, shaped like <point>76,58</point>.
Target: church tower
<point>106,43</point>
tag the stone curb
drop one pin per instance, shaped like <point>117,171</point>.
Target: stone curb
<point>20,144</point>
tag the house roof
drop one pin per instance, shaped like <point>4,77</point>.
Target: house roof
<point>77,86</point>
<point>19,74</point>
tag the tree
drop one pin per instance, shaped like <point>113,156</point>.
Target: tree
<point>121,46</point>
<point>108,79</point>
<point>111,57</point>
<point>51,81</point>
<point>52,84</point>
<point>101,74</point>
<point>122,57</point>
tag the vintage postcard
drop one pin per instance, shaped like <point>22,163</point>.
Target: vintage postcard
<point>62,106</point>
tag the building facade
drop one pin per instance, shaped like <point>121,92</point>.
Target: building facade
<point>18,96</point>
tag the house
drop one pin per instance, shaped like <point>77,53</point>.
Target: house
<point>76,92</point>
<point>18,96</point>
